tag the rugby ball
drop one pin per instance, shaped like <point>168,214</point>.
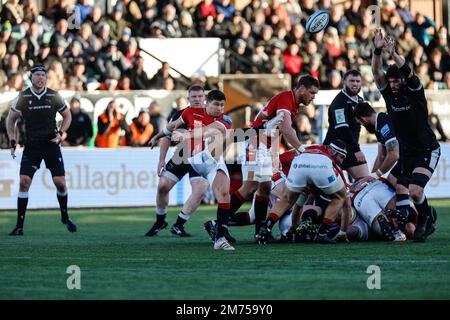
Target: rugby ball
<point>317,21</point>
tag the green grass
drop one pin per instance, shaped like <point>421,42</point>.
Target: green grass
<point>118,262</point>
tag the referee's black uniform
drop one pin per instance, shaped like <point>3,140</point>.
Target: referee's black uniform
<point>39,112</point>
<point>343,125</point>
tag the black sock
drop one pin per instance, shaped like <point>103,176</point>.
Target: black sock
<point>236,202</point>
<point>261,205</point>
<point>22,202</point>
<point>223,214</point>
<point>422,208</point>
<point>62,199</point>
<point>402,202</point>
<point>181,220</point>
<point>239,219</point>
<point>325,226</point>
<point>161,216</point>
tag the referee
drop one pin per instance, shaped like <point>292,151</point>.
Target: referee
<point>38,106</point>
<point>406,104</point>
<point>343,125</point>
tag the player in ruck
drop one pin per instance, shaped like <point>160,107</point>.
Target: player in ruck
<point>257,167</point>
<point>38,106</point>
<point>406,104</point>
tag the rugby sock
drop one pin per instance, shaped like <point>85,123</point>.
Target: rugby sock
<point>402,204</point>
<point>261,205</point>
<point>422,205</point>
<point>223,214</point>
<point>271,220</point>
<point>240,219</point>
<point>161,214</point>
<point>182,218</point>
<point>62,199</point>
<point>236,202</point>
<point>22,202</point>
<point>325,226</point>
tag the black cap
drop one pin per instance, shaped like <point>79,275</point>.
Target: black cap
<point>37,68</point>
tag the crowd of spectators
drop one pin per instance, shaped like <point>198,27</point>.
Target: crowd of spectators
<point>85,48</point>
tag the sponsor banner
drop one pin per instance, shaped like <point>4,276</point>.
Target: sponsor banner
<point>124,177</point>
<point>127,177</point>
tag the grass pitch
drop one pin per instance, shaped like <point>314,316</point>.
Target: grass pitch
<point>118,262</point>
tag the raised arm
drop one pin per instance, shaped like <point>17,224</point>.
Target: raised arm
<point>377,60</point>
<point>289,133</point>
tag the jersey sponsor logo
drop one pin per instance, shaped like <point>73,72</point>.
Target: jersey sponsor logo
<point>331,179</point>
<point>40,107</point>
<point>407,108</point>
<point>385,131</point>
<point>340,116</point>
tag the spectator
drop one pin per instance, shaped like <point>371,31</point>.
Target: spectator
<point>187,25</point>
<point>44,52</point>
<point>332,42</point>
<point>125,84</point>
<point>83,10</point>
<point>225,7</point>
<point>157,120</point>
<point>89,43</point>
<point>30,11</point>
<point>14,83</point>
<point>169,24</point>
<point>394,27</point>
<point>14,65</point>
<point>337,20</point>
<point>437,68</point>
<point>12,12</point>
<point>406,43</point>
<point>276,58</point>
<point>239,60</point>
<point>139,78</point>
<point>132,13</point>
<point>303,128</point>
<point>157,81</point>
<point>246,35</point>
<point>104,38</point>
<point>61,10</point>
<point>205,9</point>
<point>25,58</point>
<point>354,13</point>
<point>369,89</point>
<point>77,80</point>
<point>34,39</point>
<point>80,130</point>
<point>404,12</point>
<point>250,9</point>
<point>149,15</point>
<point>95,19</point>
<point>423,73</point>
<point>181,103</point>
<point>296,35</point>
<point>292,61</point>
<point>417,56</point>
<point>334,80</point>
<point>116,22</point>
<point>258,22</point>
<point>55,76</point>
<point>419,29</point>
<point>61,33</point>
<point>206,29</point>
<point>110,124</point>
<point>111,63</point>
<point>435,123</point>
<point>294,11</point>
<point>260,59</point>
<point>140,131</point>
<point>277,9</point>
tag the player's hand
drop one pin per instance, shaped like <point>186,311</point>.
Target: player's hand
<point>262,237</point>
<point>13,148</point>
<point>341,236</point>
<point>389,44</point>
<point>57,139</point>
<point>378,41</point>
<point>153,142</point>
<point>161,167</point>
<point>360,156</point>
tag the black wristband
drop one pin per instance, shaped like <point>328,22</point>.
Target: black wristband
<point>59,132</point>
<point>377,51</point>
<point>13,144</point>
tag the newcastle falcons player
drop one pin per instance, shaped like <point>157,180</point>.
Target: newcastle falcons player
<point>343,126</point>
<point>406,103</point>
<point>38,105</point>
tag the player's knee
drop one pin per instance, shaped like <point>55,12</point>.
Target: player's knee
<point>163,187</point>
<point>222,196</point>
<point>25,183</point>
<point>200,186</point>
<point>249,188</point>
<point>60,184</point>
